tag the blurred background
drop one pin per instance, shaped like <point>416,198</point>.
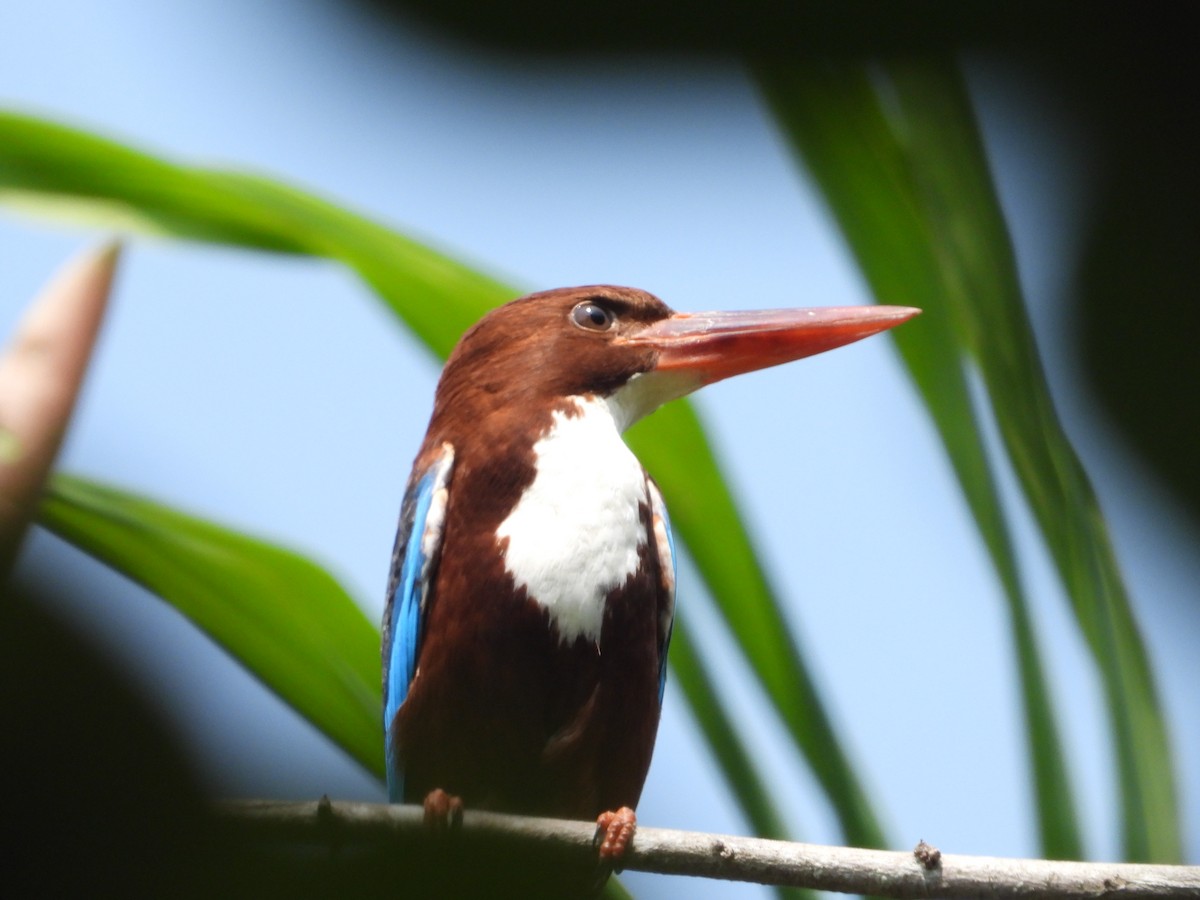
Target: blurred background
<point>274,394</point>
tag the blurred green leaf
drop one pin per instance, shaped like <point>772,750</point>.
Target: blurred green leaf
<point>989,315</point>
<point>723,738</point>
<point>726,744</point>
<point>701,505</point>
<point>836,122</point>
<point>278,614</point>
<point>54,170</point>
<point>614,890</point>
<point>897,153</point>
<point>438,298</point>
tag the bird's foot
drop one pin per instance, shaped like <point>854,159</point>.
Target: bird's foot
<point>614,831</point>
<point>443,812</point>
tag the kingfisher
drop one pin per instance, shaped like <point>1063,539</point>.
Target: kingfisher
<point>532,587</point>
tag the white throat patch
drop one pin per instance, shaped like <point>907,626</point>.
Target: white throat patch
<point>574,534</point>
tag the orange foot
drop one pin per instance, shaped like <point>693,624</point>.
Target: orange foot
<point>617,828</point>
<point>443,812</point>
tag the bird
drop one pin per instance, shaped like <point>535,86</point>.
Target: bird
<point>531,595</point>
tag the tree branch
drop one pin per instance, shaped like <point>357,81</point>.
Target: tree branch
<point>924,872</point>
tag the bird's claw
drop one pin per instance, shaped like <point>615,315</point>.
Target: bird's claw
<point>614,831</point>
<point>443,811</point>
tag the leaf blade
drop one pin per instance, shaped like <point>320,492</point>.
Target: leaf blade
<point>994,329</point>
<point>283,618</point>
<point>901,165</point>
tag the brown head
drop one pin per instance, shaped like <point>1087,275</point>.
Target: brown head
<point>524,359</point>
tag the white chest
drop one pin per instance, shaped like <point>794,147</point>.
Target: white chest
<point>575,533</point>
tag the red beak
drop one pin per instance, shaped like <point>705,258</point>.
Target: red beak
<point>715,345</point>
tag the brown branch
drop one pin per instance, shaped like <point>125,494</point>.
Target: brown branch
<point>924,872</point>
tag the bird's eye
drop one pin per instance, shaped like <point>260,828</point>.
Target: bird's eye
<point>592,316</point>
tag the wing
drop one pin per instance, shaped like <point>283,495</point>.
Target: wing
<point>664,544</point>
<point>414,561</point>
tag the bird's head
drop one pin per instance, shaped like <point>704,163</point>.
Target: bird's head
<point>627,345</point>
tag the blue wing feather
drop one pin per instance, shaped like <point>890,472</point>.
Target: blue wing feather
<point>414,559</point>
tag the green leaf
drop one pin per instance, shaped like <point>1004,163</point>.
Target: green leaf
<point>836,122</point>
<point>705,516</point>
<point>726,744</point>
<point>614,890</point>
<point>52,169</point>
<point>723,737</point>
<point>897,153</point>
<point>438,298</point>
<point>993,327</point>
<point>278,614</point>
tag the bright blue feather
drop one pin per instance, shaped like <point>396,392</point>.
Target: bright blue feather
<point>408,596</point>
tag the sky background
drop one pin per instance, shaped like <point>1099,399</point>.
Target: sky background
<point>278,396</point>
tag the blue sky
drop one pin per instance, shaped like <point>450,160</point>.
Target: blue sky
<point>276,395</point>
